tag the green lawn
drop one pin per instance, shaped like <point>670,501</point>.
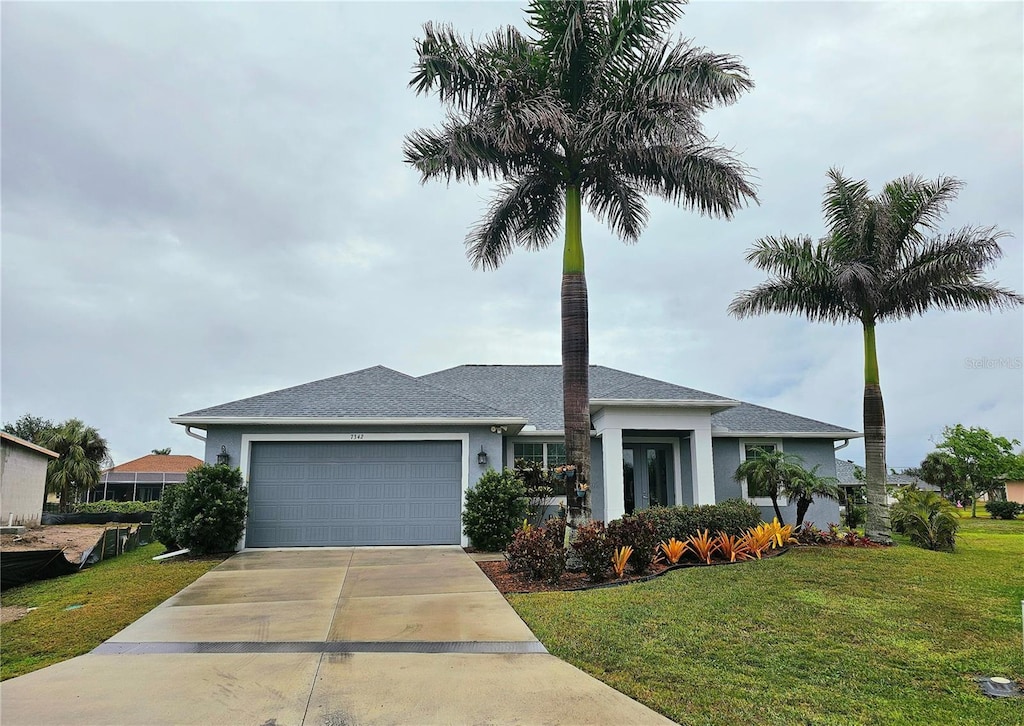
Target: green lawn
<point>113,594</point>
<point>824,636</point>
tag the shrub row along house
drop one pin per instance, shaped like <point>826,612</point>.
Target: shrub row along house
<point>377,457</point>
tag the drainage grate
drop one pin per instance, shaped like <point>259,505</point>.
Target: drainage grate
<point>415,646</point>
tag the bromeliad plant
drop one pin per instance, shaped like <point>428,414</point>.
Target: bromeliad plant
<point>781,534</point>
<point>703,545</point>
<point>758,540</point>
<point>732,548</point>
<point>619,559</point>
<point>673,550</point>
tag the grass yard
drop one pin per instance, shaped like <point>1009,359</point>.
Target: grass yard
<point>822,636</point>
<point>113,594</point>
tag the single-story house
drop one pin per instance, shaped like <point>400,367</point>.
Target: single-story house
<point>1015,491</point>
<point>378,457</point>
<point>845,477</point>
<point>143,479</point>
<point>22,480</point>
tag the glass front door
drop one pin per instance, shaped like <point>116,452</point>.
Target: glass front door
<point>646,476</point>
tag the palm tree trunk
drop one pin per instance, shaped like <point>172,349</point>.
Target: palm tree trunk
<point>877,527</point>
<point>575,354</point>
<point>778,512</point>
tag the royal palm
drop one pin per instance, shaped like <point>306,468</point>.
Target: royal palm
<point>882,258</point>
<point>595,105</point>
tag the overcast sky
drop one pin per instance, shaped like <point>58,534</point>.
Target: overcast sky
<point>203,202</point>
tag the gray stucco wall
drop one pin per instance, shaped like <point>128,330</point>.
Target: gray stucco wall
<point>479,437</point>
<point>22,484</point>
<point>814,452</point>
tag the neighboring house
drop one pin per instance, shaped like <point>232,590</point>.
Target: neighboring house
<point>1015,491</point>
<point>22,480</point>
<point>380,457</point>
<point>845,478</point>
<point>143,479</point>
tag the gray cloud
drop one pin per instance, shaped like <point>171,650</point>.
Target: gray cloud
<point>206,201</point>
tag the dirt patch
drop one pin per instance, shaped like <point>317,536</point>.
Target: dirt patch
<point>10,613</point>
<point>74,539</point>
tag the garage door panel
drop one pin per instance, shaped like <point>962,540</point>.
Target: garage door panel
<point>354,493</point>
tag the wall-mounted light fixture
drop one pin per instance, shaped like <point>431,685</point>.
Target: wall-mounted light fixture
<point>223,457</point>
<point>481,458</point>
<point>499,429</point>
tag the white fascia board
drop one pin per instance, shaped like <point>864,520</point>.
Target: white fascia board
<point>718,405</point>
<point>200,421</point>
<point>833,435</point>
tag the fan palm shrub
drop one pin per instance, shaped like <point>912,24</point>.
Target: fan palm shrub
<point>927,518</point>
<point>883,258</point>
<point>596,105</point>
<point>82,452</point>
<point>803,486</point>
<point>770,473</point>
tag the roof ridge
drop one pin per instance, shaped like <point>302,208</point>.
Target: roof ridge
<point>449,392</point>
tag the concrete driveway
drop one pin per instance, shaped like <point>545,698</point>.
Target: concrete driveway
<point>384,635</point>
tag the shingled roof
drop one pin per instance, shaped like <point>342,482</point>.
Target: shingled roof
<point>158,464</point>
<point>521,394</point>
<point>748,418</point>
<point>535,392</point>
<point>372,393</point>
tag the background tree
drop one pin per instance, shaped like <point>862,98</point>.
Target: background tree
<point>882,259</point>
<point>937,469</point>
<point>803,485</point>
<point>29,427</point>
<point>162,452</point>
<point>597,105</point>
<point>980,462</point>
<point>770,474</point>
<point>82,451</point>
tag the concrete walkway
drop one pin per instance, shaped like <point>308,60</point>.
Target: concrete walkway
<point>398,635</point>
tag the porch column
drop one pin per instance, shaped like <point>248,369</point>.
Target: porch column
<point>611,453</point>
<point>703,465</point>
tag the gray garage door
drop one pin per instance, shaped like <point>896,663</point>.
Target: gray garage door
<point>327,493</point>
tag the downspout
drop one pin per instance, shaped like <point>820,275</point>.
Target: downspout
<point>846,442</point>
<point>188,430</point>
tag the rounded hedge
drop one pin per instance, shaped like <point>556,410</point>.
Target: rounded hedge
<point>495,509</point>
<point>204,514</point>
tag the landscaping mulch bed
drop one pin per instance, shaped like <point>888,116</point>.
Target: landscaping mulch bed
<point>516,582</point>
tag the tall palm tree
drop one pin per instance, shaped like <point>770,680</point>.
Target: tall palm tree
<point>82,450</point>
<point>769,474</point>
<point>803,486</point>
<point>596,105</point>
<point>882,258</point>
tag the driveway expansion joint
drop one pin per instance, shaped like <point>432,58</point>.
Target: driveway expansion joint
<point>409,646</point>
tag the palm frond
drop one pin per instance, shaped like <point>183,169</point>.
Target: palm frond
<point>702,177</point>
<point>911,202</point>
<point>635,24</point>
<point>678,73</point>
<point>450,65</point>
<point>525,212</point>
<point>458,150</point>
<point>793,297</point>
<point>571,35</point>
<point>613,199</point>
<point>844,207</point>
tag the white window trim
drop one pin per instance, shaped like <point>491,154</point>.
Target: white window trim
<point>512,450</point>
<point>756,501</point>
<point>356,437</point>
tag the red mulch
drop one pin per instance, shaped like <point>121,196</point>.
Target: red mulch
<point>510,582</point>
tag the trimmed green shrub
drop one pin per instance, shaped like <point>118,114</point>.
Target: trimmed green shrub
<point>495,509</point>
<point>639,532</point>
<point>109,505</point>
<point>856,515</point>
<point>927,518</point>
<point>539,551</point>
<point>204,514</point>
<point>1004,510</point>
<point>732,516</point>
<point>594,549</point>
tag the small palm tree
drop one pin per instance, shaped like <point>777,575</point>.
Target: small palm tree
<point>927,518</point>
<point>803,486</point>
<point>598,105</point>
<point>882,259</point>
<point>768,474</point>
<point>82,451</point>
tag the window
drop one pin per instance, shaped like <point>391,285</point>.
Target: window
<point>547,455</point>
<point>752,450</point>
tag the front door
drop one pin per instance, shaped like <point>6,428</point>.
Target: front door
<point>647,476</point>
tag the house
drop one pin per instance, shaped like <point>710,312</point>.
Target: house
<point>22,480</point>
<point>380,457</point>
<point>1015,491</point>
<point>143,479</point>
<point>845,478</point>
